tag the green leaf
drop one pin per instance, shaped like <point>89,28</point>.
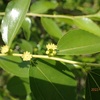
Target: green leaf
<point>25,45</point>
<point>51,80</point>
<point>78,42</point>
<point>87,25</point>
<point>42,6</point>
<point>93,85</point>
<point>12,21</point>
<point>66,20</point>
<point>51,27</point>
<point>15,65</point>
<point>18,86</point>
<point>26,27</point>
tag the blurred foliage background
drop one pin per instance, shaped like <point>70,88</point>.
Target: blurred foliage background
<point>41,38</point>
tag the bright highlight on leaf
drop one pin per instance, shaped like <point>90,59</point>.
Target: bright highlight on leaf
<point>51,49</point>
<point>4,49</point>
<point>26,56</point>
<point>13,19</point>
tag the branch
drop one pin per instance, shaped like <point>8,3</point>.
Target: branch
<point>58,59</point>
<point>54,16</point>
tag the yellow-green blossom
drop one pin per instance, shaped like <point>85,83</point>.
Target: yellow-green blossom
<point>51,46</point>
<point>51,49</point>
<point>26,56</point>
<point>4,49</point>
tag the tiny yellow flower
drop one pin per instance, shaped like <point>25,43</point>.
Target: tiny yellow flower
<point>51,49</point>
<point>26,56</point>
<point>51,46</point>
<point>4,49</point>
<point>47,52</point>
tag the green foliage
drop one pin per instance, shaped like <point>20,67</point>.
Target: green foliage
<point>93,84</point>
<point>45,83</point>
<point>13,19</point>
<point>25,45</point>
<point>72,72</point>
<point>42,6</point>
<point>83,42</point>
<point>88,25</point>
<point>26,25</point>
<point>18,86</point>
<point>15,65</point>
<point>51,27</point>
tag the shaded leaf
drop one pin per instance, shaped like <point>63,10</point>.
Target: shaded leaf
<point>18,86</point>
<point>93,85</point>
<point>87,25</point>
<point>51,80</point>
<point>12,21</point>
<point>25,45</point>
<point>78,42</point>
<point>51,27</point>
<point>42,6</point>
<point>15,65</point>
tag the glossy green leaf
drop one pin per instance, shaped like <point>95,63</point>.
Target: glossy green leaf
<point>26,28</point>
<point>87,25</point>
<point>25,45</point>
<point>18,86</point>
<point>51,80</point>
<point>42,6</point>
<point>78,42</point>
<point>51,27</point>
<point>93,85</point>
<point>12,21</point>
<point>15,65</point>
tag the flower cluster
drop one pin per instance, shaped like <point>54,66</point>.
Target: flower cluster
<point>4,49</point>
<point>26,56</point>
<point>51,49</point>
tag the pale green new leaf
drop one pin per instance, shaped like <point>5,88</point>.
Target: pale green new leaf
<point>77,42</point>
<point>12,21</point>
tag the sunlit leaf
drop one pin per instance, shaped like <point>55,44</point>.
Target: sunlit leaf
<point>15,14</point>
<point>88,25</point>
<point>52,80</point>
<point>15,65</point>
<point>78,42</point>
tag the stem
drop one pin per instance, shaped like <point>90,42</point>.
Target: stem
<point>54,16</point>
<point>2,13</point>
<point>58,59</point>
<point>50,16</point>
